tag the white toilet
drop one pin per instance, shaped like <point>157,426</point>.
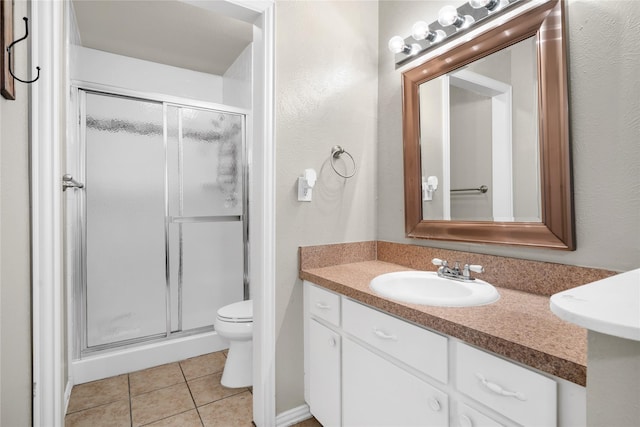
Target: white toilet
<point>235,323</point>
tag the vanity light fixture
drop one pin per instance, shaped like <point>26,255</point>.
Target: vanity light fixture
<point>449,15</point>
<point>451,22</point>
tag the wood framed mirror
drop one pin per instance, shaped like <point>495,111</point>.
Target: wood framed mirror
<point>555,227</point>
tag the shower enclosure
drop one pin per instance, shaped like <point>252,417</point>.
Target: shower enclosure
<point>157,237</point>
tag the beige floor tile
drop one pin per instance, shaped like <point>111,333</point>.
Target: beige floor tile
<point>96,393</point>
<point>114,414</point>
<point>234,411</point>
<point>208,389</point>
<point>155,378</point>
<point>203,365</point>
<point>311,422</point>
<point>159,404</point>
<point>186,419</point>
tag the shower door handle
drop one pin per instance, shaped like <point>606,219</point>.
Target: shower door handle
<point>69,182</point>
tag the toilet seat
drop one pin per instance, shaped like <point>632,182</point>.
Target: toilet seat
<point>239,312</point>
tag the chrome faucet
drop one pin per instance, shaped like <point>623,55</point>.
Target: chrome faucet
<point>455,272</point>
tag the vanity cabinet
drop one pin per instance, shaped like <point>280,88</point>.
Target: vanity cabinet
<point>364,367</point>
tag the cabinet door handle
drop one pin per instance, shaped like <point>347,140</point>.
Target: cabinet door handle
<point>497,389</point>
<point>332,342</point>
<point>323,306</point>
<point>382,334</point>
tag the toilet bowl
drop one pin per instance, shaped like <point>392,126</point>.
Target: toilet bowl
<point>234,322</point>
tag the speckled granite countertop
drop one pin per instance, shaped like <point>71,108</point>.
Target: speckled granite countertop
<point>519,326</point>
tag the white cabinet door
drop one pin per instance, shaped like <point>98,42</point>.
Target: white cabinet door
<point>324,374</point>
<point>378,393</point>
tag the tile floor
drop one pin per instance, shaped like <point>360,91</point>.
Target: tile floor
<point>181,394</point>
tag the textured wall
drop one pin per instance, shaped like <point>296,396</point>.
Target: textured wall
<point>604,58</point>
<point>326,94</point>
<point>15,269</point>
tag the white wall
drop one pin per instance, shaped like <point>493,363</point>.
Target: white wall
<point>236,85</point>
<point>326,94</point>
<point>96,66</point>
<point>15,254</point>
<point>604,58</point>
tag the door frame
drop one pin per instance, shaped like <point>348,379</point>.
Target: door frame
<point>49,101</point>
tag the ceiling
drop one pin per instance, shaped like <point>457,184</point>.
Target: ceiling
<point>165,31</point>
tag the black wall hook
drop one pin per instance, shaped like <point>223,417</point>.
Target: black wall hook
<point>26,34</point>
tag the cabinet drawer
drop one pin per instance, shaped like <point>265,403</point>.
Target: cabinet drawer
<point>518,393</point>
<point>323,304</point>
<point>417,347</point>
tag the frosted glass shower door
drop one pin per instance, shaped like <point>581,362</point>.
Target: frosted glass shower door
<point>207,213</point>
<point>125,219</point>
<point>164,219</point>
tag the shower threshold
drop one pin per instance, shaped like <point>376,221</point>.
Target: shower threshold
<point>110,362</point>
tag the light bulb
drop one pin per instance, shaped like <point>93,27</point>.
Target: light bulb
<point>479,4</point>
<point>420,30</point>
<point>490,5</point>
<point>396,45</point>
<point>414,49</point>
<point>436,36</point>
<point>448,15</point>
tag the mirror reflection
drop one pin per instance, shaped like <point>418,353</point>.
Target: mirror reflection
<point>479,144</point>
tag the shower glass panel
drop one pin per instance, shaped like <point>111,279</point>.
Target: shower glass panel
<point>206,207</point>
<point>210,164</point>
<point>125,220</point>
<point>211,272</point>
<point>164,218</point>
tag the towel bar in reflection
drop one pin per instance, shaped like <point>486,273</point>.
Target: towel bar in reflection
<point>482,189</point>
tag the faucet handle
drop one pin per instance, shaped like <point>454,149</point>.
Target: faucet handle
<point>438,261</point>
<point>476,268</point>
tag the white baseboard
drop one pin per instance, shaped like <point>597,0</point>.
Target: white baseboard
<point>140,357</point>
<point>293,416</point>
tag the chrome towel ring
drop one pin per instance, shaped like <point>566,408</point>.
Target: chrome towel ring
<point>336,152</point>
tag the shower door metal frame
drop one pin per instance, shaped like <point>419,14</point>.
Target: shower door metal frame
<point>79,89</point>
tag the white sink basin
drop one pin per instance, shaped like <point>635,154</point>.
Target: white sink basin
<point>426,288</point>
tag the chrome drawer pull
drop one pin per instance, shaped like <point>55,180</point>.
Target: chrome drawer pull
<point>323,306</point>
<point>499,390</point>
<point>382,334</point>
